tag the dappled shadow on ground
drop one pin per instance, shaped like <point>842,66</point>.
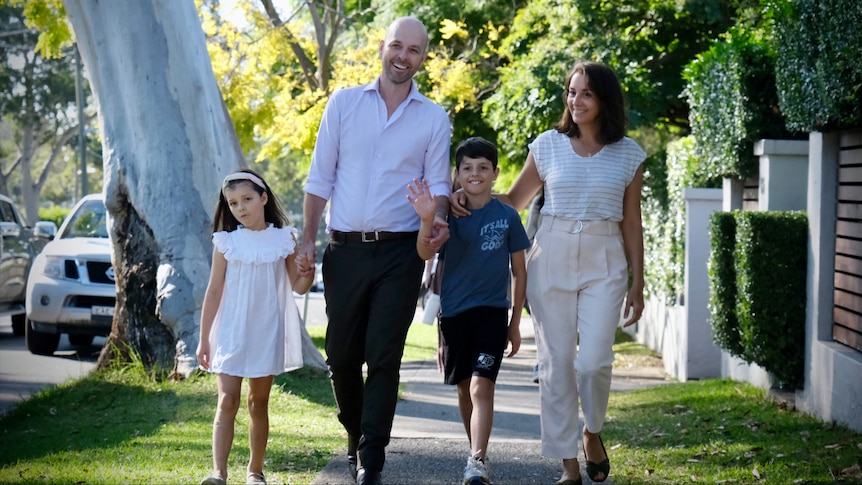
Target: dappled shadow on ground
<point>85,420</point>
<point>308,383</point>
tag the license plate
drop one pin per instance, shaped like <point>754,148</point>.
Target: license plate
<point>102,311</point>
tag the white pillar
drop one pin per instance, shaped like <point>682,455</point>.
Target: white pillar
<point>783,174</point>
<point>702,358</point>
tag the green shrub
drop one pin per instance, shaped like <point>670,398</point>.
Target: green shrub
<point>664,224</point>
<point>733,102</point>
<point>55,214</point>
<point>722,283</point>
<point>819,62</point>
<point>771,258</point>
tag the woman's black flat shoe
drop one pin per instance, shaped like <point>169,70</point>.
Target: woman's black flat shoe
<point>594,469</point>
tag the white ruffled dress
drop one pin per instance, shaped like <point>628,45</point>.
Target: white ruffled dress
<point>256,331</point>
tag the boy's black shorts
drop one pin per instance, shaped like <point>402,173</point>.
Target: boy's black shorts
<point>473,343</point>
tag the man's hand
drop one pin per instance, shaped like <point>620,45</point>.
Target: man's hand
<point>305,265</point>
<point>439,234</point>
<point>305,259</point>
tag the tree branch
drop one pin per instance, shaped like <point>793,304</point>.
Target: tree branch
<point>305,63</point>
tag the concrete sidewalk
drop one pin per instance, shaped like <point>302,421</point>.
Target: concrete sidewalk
<point>429,445</point>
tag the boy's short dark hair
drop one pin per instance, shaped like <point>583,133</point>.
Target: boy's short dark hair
<point>475,147</point>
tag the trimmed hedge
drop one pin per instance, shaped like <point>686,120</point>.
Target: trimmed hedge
<point>732,96</point>
<point>819,64</point>
<point>771,264</point>
<point>722,288</point>
<point>757,269</point>
<point>664,220</point>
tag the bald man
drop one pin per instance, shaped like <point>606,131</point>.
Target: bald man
<point>373,141</point>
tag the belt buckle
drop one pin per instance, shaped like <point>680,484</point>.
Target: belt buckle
<point>371,236</point>
<point>579,228</point>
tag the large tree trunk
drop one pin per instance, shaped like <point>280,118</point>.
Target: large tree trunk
<point>167,141</point>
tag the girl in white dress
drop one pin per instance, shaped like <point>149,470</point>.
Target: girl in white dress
<point>249,321</point>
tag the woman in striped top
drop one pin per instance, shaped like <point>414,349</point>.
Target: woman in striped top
<point>586,262</point>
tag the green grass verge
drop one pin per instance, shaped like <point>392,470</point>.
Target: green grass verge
<point>123,426</point>
<point>421,341</point>
<point>721,431</point>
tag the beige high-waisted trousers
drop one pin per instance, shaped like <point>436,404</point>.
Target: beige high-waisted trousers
<point>577,277</point>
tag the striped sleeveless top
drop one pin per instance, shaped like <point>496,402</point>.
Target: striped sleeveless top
<point>586,188</point>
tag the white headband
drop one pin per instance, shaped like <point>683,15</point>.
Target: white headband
<point>244,176</point>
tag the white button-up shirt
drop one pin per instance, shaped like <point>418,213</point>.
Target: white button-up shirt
<point>363,161</point>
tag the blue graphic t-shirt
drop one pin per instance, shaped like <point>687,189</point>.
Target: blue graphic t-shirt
<point>476,271</point>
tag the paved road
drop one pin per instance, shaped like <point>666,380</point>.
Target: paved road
<point>22,374</point>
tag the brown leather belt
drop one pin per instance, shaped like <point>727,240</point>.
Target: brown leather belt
<point>370,236</point>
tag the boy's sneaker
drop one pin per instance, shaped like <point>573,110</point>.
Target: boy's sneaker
<point>477,471</point>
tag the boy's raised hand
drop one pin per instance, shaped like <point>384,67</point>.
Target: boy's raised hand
<point>423,202</point>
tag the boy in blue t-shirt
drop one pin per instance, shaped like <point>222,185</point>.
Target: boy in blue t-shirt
<point>475,325</point>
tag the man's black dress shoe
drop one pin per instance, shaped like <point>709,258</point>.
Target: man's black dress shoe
<point>367,476</point>
<point>351,466</point>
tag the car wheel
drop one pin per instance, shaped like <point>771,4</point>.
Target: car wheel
<point>41,343</point>
<point>18,323</point>
<point>81,340</point>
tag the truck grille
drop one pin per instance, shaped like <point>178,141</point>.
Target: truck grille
<point>100,272</point>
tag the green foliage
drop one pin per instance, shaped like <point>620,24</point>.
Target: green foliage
<point>35,92</point>
<point>733,102</point>
<point>722,283</point>
<point>49,18</point>
<point>648,43</point>
<point>55,214</point>
<point>538,52</point>
<point>528,101</point>
<point>819,66</point>
<point>664,221</point>
<point>771,266</point>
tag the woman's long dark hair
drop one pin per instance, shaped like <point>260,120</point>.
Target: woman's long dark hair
<point>272,211</point>
<point>605,85</point>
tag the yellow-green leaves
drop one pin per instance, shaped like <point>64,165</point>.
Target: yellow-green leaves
<point>49,18</point>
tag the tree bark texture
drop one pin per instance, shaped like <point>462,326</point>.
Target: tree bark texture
<point>167,143</point>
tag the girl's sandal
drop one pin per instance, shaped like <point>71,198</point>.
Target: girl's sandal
<point>255,479</point>
<point>213,480</point>
<point>603,467</point>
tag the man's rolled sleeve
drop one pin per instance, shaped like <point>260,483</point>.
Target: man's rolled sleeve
<point>321,175</point>
<point>437,168</point>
